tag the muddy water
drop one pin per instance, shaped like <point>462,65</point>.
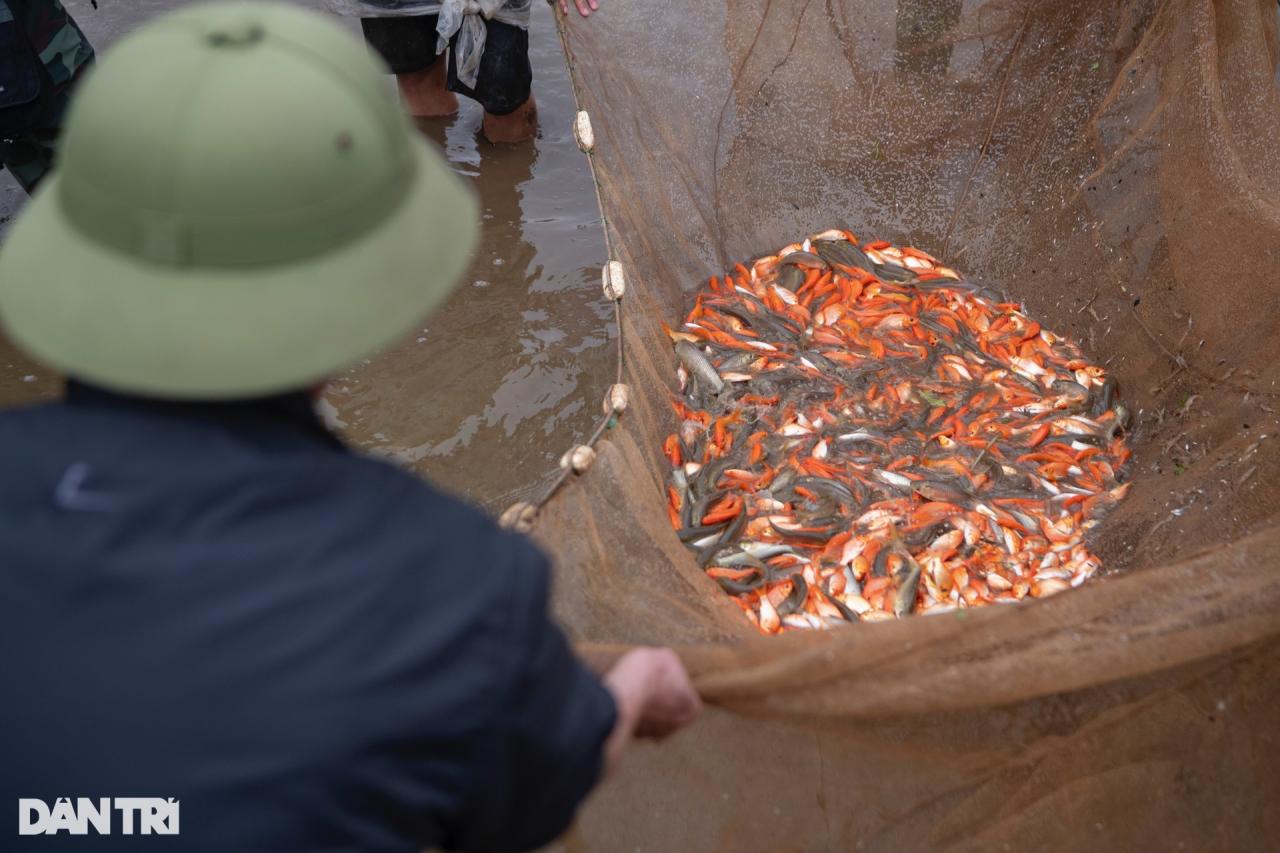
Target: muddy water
<point>503,378</point>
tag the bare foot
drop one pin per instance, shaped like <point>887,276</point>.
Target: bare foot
<point>424,92</point>
<point>516,126</point>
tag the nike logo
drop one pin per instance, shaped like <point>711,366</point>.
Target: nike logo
<point>70,493</point>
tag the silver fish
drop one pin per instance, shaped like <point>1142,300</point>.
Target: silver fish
<point>696,363</point>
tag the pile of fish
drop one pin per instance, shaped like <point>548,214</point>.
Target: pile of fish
<point>864,435</point>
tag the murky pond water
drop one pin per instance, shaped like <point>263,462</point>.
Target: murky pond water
<point>503,378</point>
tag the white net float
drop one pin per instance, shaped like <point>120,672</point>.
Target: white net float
<point>518,517</point>
<point>613,280</point>
<point>583,133</point>
<point>616,399</point>
<point>578,460</point>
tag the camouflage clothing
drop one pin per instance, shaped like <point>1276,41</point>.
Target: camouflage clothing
<point>42,31</point>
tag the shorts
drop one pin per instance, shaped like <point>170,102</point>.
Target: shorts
<point>505,78</point>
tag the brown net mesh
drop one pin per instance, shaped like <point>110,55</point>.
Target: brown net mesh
<point>1115,167</point>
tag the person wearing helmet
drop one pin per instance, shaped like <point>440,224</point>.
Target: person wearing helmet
<point>208,599</point>
<point>42,55</point>
<point>487,47</point>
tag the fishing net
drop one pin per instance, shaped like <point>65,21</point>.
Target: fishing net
<point>1113,166</point>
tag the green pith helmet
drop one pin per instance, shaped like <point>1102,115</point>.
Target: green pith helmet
<point>240,207</point>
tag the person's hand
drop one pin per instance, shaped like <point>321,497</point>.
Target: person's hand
<point>654,698</point>
<point>672,703</point>
<point>585,7</point>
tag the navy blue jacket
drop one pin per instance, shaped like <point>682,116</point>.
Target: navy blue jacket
<point>309,649</point>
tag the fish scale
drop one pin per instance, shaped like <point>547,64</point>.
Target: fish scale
<point>898,440</point>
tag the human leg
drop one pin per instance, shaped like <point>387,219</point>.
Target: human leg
<point>408,46</point>
<point>425,93</point>
<point>515,126</point>
<point>504,84</point>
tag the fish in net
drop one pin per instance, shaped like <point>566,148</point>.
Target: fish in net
<point>864,435</point>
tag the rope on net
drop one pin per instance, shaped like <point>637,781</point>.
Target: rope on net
<point>578,459</point>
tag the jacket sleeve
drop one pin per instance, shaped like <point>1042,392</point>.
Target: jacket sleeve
<point>547,744</point>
